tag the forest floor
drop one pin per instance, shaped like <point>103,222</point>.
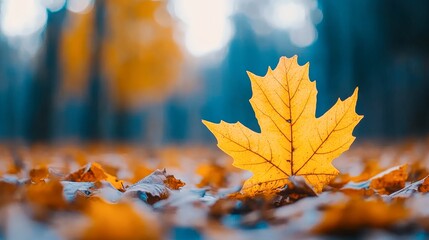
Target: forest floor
<point>101,191</point>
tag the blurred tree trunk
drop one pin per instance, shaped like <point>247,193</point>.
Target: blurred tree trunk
<point>46,81</point>
<point>97,95</point>
<point>382,47</point>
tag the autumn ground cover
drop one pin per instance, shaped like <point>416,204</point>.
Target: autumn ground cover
<point>116,192</point>
<point>298,184</point>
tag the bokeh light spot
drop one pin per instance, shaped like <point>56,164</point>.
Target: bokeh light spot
<point>303,37</point>
<point>22,17</point>
<point>53,5</point>
<point>80,6</point>
<point>207,24</point>
<point>286,14</point>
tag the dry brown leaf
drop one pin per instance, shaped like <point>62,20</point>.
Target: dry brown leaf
<point>93,172</point>
<point>390,181</point>
<point>417,171</point>
<point>173,183</point>
<point>384,183</point>
<point>421,186</point>
<point>39,174</point>
<point>424,187</point>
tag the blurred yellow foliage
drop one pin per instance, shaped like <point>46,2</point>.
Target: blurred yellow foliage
<point>76,51</point>
<point>139,58</point>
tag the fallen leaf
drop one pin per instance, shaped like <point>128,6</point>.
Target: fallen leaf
<point>384,183</point>
<point>39,174</point>
<point>93,172</point>
<point>297,188</point>
<point>292,142</point>
<point>155,187</point>
<point>172,183</point>
<point>308,205</point>
<point>71,189</point>
<point>118,221</point>
<point>419,186</point>
<point>370,168</point>
<point>390,181</point>
<point>417,170</point>
<point>357,214</point>
<point>213,175</point>
<point>45,197</point>
<point>424,186</point>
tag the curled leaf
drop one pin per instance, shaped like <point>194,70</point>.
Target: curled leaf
<point>93,172</point>
<point>386,182</point>
<point>155,187</point>
<point>390,181</point>
<point>421,186</point>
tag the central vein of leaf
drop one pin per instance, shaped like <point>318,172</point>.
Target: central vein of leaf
<point>292,150</point>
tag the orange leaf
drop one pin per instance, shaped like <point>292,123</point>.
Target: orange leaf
<point>118,221</point>
<point>356,214</point>
<point>93,172</point>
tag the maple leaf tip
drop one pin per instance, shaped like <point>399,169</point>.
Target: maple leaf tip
<point>307,65</point>
<point>251,75</point>
<point>283,59</point>
<point>293,57</point>
<point>339,100</point>
<point>208,124</point>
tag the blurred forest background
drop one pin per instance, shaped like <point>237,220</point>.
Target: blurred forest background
<point>149,71</point>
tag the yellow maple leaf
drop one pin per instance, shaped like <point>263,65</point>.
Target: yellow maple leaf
<point>292,142</point>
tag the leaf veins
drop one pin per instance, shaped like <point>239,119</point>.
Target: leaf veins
<point>292,141</point>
